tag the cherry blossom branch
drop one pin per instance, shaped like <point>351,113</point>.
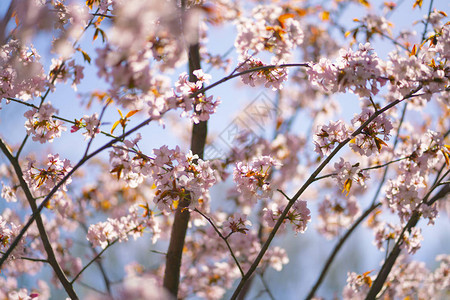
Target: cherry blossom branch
<point>96,128</point>
<point>306,185</point>
<point>31,258</point>
<point>368,168</point>
<point>233,75</point>
<point>397,138</point>
<point>390,261</point>
<point>63,180</point>
<point>51,257</point>
<point>55,116</point>
<point>428,20</point>
<point>93,260</point>
<point>91,287</point>
<point>223,238</point>
<point>99,263</point>
<point>52,82</point>
<point>338,247</point>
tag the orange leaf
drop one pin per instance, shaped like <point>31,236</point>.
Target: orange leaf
<point>324,15</point>
<point>120,113</point>
<point>283,18</point>
<point>301,11</point>
<point>347,186</point>
<point>413,51</point>
<point>117,170</point>
<point>86,56</point>
<point>115,125</point>
<point>131,113</point>
<point>16,19</point>
<point>447,160</point>
<point>418,3</point>
<point>95,34</point>
<point>379,142</point>
<point>365,3</point>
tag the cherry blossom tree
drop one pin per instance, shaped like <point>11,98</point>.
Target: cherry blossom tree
<point>356,134</point>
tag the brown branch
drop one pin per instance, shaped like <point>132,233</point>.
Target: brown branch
<point>225,239</point>
<point>390,261</point>
<point>306,185</point>
<point>40,224</point>
<point>63,180</point>
<point>336,249</point>
<point>182,214</point>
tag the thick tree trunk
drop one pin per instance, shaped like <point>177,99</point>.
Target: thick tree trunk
<point>180,224</point>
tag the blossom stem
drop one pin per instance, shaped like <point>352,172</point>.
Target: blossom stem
<point>233,75</point>
<point>223,238</point>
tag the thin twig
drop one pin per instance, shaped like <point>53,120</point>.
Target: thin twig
<point>54,116</point>
<point>93,260</point>
<point>336,249</point>
<point>368,168</point>
<point>223,238</point>
<point>31,258</point>
<point>266,287</point>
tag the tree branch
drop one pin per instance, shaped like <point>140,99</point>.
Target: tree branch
<point>306,185</point>
<point>40,224</point>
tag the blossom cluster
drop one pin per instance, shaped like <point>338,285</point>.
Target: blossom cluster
<point>8,231</point>
<point>197,106</point>
<point>236,223</point>
<point>8,193</point>
<point>410,72</point>
<point>22,75</point>
<point>366,143</point>
<point>328,135</point>
<point>270,29</point>
<point>42,125</point>
<point>43,180</point>
<point>408,279</point>
<point>357,71</point>
<point>346,174</point>
<point>337,214</point>
<point>90,123</point>
<point>298,216</point>
<point>252,178</point>
<point>385,233</point>
<point>119,229</point>
<point>176,176</point>
<point>9,290</point>
<point>270,77</point>
<point>405,193</point>
<point>63,71</point>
